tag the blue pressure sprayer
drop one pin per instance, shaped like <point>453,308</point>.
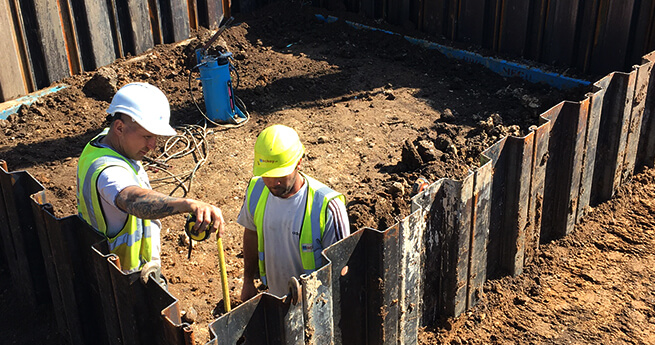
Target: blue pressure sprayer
<point>222,106</point>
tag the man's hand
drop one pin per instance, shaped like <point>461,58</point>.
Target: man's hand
<point>248,290</point>
<point>208,217</point>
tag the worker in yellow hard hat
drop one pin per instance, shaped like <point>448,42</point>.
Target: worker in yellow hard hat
<point>289,217</point>
<point>113,191</point>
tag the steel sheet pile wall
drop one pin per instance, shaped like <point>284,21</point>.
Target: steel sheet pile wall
<point>379,286</point>
<point>64,263</point>
<point>433,263</point>
<point>596,37</point>
<point>46,40</point>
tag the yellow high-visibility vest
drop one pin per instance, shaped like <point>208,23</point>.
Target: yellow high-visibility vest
<point>132,244</point>
<point>313,226</point>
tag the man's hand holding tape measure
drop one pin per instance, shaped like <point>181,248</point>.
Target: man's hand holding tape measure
<point>207,219</point>
<point>199,229</point>
<point>202,223</point>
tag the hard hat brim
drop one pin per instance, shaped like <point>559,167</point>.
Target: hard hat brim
<point>164,130</point>
<point>274,172</point>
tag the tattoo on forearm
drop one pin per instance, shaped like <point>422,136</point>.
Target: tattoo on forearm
<point>150,206</point>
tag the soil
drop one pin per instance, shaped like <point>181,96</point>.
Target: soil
<point>375,113</point>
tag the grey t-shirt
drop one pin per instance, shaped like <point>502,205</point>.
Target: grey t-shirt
<point>112,181</point>
<point>282,224</point>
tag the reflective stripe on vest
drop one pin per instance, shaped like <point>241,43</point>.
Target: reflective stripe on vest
<point>133,243</point>
<point>313,224</point>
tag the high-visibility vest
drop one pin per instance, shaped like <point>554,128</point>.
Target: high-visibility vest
<point>132,244</point>
<point>313,226</point>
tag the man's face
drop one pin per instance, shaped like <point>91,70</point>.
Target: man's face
<point>135,141</point>
<point>282,187</point>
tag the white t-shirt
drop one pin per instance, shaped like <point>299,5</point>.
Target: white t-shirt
<point>282,224</point>
<point>112,181</point>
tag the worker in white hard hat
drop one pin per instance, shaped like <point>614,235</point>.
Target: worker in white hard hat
<point>113,191</point>
<point>289,217</point>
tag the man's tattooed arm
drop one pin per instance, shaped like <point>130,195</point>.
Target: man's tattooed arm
<point>148,204</point>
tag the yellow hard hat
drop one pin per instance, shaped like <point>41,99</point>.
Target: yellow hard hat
<point>277,151</point>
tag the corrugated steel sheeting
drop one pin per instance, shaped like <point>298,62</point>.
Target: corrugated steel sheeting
<point>47,41</point>
<point>596,37</point>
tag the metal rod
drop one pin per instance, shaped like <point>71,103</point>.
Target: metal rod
<point>218,33</point>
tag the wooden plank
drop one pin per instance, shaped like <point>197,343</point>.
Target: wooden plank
<point>513,27</point>
<point>12,79</point>
<point>52,41</point>
<point>642,83</point>
<point>589,157</point>
<point>558,44</point>
<point>470,22</point>
<point>613,31</point>
<point>646,151</point>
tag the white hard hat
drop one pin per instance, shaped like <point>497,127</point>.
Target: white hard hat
<point>146,105</point>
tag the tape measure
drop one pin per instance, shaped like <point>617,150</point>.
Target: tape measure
<point>419,185</point>
<point>188,228</point>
